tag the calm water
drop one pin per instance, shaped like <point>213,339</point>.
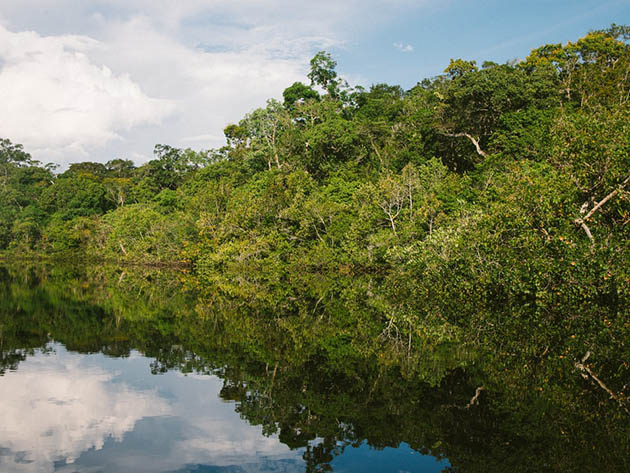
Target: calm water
<point>120,370</point>
<point>65,411</point>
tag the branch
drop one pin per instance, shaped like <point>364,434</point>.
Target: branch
<point>471,138</point>
<point>587,372</point>
<point>378,154</point>
<point>475,398</point>
<point>581,221</point>
<point>586,229</point>
<point>474,401</point>
<point>607,198</point>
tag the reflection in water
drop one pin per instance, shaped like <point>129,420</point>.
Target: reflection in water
<point>60,405</point>
<point>64,409</point>
<point>68,412</point>
<point>242,387</point>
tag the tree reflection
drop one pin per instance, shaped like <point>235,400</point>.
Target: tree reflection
<point>322,391</point>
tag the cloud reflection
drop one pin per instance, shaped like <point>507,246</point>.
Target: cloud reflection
<point>67,412</point>
<point>56,407</point>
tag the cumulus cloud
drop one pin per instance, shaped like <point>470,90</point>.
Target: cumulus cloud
<point>138,72</point>
<point>75,413</point>
<point>61,410</point>
<point>211,85</point>
<point>55,99</point>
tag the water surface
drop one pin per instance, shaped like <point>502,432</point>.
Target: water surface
<point>107,369</point>
<point>65,411</point>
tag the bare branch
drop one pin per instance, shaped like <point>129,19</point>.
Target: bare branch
<point>587,373</point>
<point>471,138</point>
<point>475,398</point>
<point>586,230</point>
<point>582,220</point>
<point>607,198</point>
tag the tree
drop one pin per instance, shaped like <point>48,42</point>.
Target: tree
<point>592,149</point>
<point>475,100</point>
<point>87,169</point>
<point>378,115</point>
<point>11,156</point>
<point>323,73</point>
<point>22,181</point>
<point>235,135</point>
<point>297,93</point>
<point>263,127</point>
<point>171,166</point>
<point>13,153</point>
<point>120,167</point>
<point>594,70</point>
<point>458,68</point>
<point>70,197</point>
<point>118,189</point>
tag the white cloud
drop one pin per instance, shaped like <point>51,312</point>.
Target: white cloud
<point>64,407</point>
<point>404,48</point>
<point>210,88</point>
<point>55,99</point>
<point>140,72</point>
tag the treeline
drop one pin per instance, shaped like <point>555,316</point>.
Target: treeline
<point>500,185</point>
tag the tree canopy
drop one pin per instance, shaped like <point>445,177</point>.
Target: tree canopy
<point>506,184</point>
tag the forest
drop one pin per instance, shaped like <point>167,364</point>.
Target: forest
<point>491,202</point>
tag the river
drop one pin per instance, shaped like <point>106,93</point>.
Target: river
<point>107,369</point>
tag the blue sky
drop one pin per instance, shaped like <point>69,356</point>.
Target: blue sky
<point>482,30</point>
<point>93,80</point>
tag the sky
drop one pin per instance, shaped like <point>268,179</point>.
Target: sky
<point>94,80</point>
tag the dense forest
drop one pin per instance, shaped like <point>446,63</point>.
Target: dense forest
<point>490,202</point>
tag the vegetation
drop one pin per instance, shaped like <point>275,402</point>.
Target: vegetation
<point>487,205</point>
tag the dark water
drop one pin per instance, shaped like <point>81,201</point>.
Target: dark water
<point>121,370</point>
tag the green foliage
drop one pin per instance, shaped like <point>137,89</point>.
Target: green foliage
<point>140,231</point>
<point>476,100</point>
<point>323,73</point>
<point>71,197</point>
<point>592,72</point>
<point>86,169</point>
<point>13,154</point>
<point>63,235</point>
<point>501,185</point>
<point>458,68</point>
<point>298,92</point>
